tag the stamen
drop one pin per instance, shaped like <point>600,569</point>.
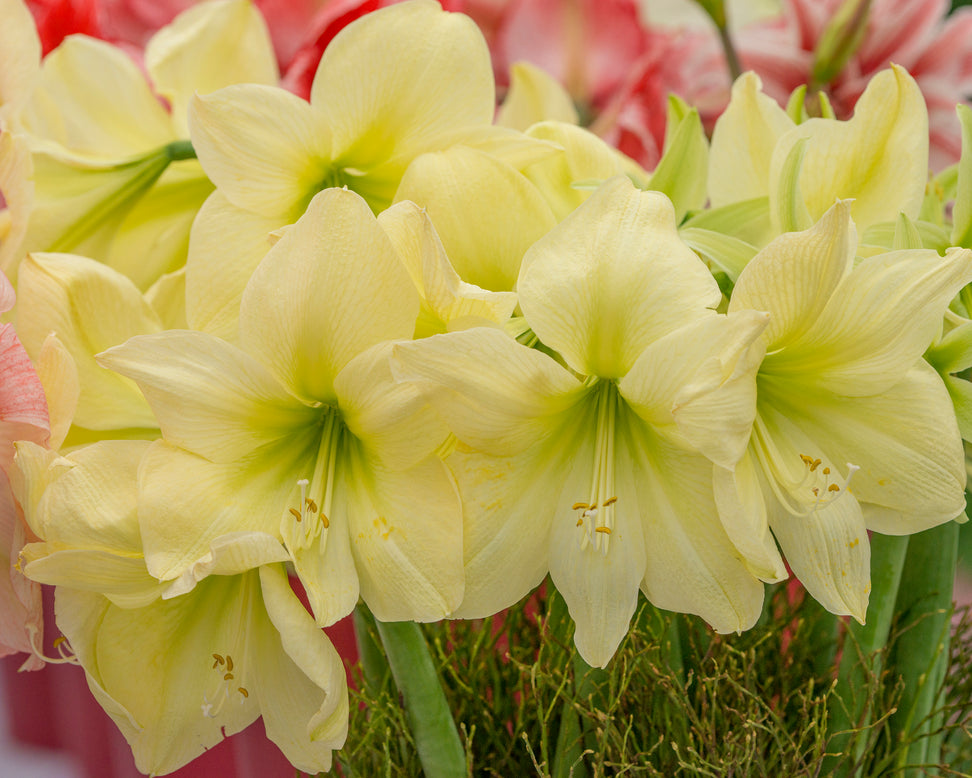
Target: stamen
<point>211,707</point>
<point>311,505</point>
<point>325,521</point>
<point>64,654</point>
<point>597,513</point>
<point>296,514</point>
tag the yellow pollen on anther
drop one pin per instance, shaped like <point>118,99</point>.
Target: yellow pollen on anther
<point>826,471</point>
<point>228,677</point>
<point>229,663</point>
<point>218,662</point>
<point>325,521</point>
<point>603,530</point>
<point>833,488</point>
<point>311,505</point>
<point>609,501</point>
<point>580,506</point>
<point>243,691</point>
<point>815,465</point>
<point>579,522</point>
<point>295,513</point>
<point>59,640</point>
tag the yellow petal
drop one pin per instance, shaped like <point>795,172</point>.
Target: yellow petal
<point>582,286</point>
<point>534,96</point>
<point>879,157</point>
<point>214,285</point>
<point>70,295</point>
<point>484,244</point>
<point>400,81</point>
<point>208,47</point>
<point>265,149</point>
<point>94,103</point>
<point>331,288</point>
<point>742,143</point>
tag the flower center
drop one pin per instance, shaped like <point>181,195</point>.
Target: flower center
<point>310,516</point>
<point>596,519</point>
<point>802,489</point>
<point>227,688</point>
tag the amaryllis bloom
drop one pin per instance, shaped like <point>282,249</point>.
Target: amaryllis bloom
<point>395,84</point>
<point>112,176</point>
<point>914,34</point>
<point>176,674</point>
<point>23,416</point>
<point>585,464</point>
<point>300,432</point>
<point>854,431</point>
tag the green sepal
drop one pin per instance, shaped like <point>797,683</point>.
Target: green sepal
<point>725,252</point>
<point>906,234</point>
<point>882,235</point>
<point>796,106</point>
<point>791,213</point>
<point>682,172</point>
<point>747,220</point>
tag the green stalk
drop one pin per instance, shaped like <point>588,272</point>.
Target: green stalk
<point>568,755</point>
<point>374,666</point>
<point>921,653</point>
<point>861,661</point>
<point>436,737</point>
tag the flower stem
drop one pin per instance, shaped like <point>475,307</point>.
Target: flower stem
<point>861,660</point>
<point>921,653</point>
<point>436,737</point>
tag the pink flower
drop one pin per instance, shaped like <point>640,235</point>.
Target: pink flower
<point>618,71</point>
<point>915,34</point>
<point>23,416</point>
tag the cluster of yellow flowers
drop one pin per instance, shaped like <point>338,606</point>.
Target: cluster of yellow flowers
<point>418,357</point>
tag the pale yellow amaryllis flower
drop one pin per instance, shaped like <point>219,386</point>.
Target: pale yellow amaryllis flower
<point>392,85</point>
<point>71,296</point>
<point>527,197</point>
<point>113,176</point>
<point>177,674</point>
<point>301,432</point>
<point>854,431</point>
<point>585,465</point>
<point>879,156</point>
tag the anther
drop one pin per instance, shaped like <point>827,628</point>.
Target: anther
<point>243,691</point>
<point>312,506</point>
<point>833,488</point>
<point>580,522</point>
<point>296,514</point>
<point>218,662</point>
<point>228,677</point>
<point>325,521</point>
<point>603,530</point>
<point>580,506</point>
<point>609,501</point>
<point>229,663</point>
<point>826,471</point>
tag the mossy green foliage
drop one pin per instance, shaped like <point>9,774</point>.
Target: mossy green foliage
<point>753,704</point>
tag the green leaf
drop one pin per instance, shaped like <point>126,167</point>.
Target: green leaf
<point>429,718</point>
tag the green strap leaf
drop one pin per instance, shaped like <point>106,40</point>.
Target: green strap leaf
<point>436,737</point>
